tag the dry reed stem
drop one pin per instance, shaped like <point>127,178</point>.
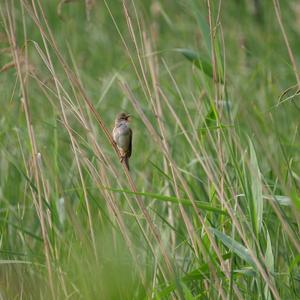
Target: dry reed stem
<point>191,231</point>
<point>78,85</point>
<point>225,204</point>
<point>10,30</point>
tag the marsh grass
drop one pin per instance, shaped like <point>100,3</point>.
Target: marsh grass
<point>210,209</point>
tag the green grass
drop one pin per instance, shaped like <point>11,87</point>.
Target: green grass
<point>210,209</point>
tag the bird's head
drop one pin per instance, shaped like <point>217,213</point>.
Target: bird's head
<point>122,117</point>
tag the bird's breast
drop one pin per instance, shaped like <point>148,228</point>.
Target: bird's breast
<point>121,136</point>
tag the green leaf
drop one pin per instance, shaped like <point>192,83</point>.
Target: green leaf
<point>295,263</point>
<point>248,271</point>
<point>198,61</point>
<point>61,211</point>
<point>296,200</point>
<point>187,293</point>
<point>201,63</point>
<point>269,254</point>
<point>269,264</point>
<point>281,200</point>
<point>234,246</point>
<point>256,189</point>
<point>197,274</point>
<point>186,202</point>
<point>22,229</point>
<point>211,118</point>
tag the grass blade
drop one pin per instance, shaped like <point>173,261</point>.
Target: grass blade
<point>183,201</point>
<point>196,59</point>
<point>256,190</point>
<point>234,246</point>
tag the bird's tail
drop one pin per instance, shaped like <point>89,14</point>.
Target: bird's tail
<point>126,160</point>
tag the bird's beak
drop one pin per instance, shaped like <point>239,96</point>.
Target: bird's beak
<point>128,117</point>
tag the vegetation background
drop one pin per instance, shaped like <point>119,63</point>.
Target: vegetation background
<point>210,209</point>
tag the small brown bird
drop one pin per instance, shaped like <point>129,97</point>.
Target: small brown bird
<point>122,135</point>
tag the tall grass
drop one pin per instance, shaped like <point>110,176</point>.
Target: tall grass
<point>210,209</point>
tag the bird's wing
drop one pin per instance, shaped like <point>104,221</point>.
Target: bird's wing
<point>130,143</point>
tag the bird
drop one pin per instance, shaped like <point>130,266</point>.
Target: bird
<point>122,136</point>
